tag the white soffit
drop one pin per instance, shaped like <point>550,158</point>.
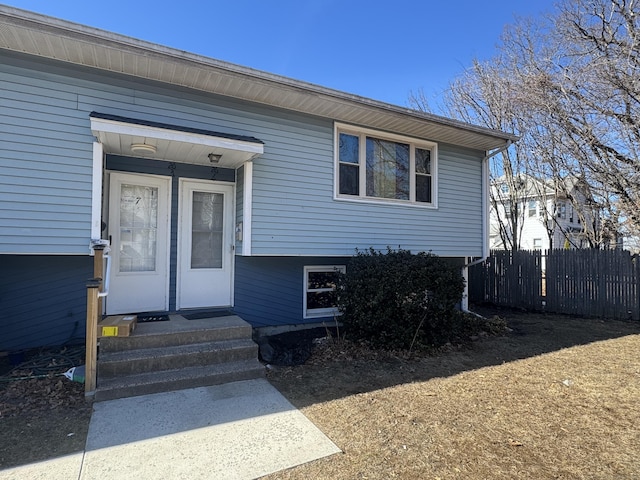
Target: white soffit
<point>173,144</point>
<point>43,36</point>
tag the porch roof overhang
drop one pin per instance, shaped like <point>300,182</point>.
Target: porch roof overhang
<point>39,35</point>
<point>172,142</point>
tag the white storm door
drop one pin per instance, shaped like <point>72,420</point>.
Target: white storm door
<point>139,223</point>
<point>205,245</point>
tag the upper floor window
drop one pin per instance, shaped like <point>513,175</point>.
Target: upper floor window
<point>375,166</point>
<point>507,210</point>
<point>561,210</point>
<point>532,208</point>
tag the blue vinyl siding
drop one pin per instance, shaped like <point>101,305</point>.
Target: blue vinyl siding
<point>310,224</point>
<point>43,300</point>
<point>46,163</point>
<point>269,290</point>
<point>46,152</point>
<point>53,134</point>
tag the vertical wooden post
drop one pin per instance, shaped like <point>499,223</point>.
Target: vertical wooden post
<point>98,268</point>
<point>91,354</point>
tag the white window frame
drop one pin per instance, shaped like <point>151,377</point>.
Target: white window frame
<point>318,312</point>
<point>507,209</point>
<point>414,143</point>
<point>561,208</point>
<point>537,243</point>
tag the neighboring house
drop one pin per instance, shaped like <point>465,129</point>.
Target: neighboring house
<point>215,184</point>
<point>632,244</point>
<point>547,216</point>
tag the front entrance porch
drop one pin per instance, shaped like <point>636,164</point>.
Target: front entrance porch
<point>176,354</point>
<point>171,242</point>
<point>163,198</point>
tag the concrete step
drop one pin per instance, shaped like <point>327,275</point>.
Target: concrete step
<point>177,379</point>
<point>131,362</point>
<point>178,331</point>
<point>176,354</point>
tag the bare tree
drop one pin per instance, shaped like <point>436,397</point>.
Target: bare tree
<point>583,84</point>
<point>483,96</point>
<point>569,85</point>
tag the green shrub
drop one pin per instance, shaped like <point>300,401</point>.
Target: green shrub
<point>400,300</point>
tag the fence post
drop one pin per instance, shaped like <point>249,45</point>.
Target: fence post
<point>91,350</point>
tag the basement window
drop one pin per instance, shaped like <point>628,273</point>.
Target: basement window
<point>320,290</point>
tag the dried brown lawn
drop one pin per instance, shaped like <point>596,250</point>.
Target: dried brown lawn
<point>558,398</point>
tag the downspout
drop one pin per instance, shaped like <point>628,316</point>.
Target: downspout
<point>485,225</point>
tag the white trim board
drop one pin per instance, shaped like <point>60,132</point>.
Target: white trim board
<point>99,125</point>
<point>96,191</point>
<point>247,208</point>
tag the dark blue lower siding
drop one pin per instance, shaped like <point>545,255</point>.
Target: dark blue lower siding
<point>42,300</point>
<point>268,290</point>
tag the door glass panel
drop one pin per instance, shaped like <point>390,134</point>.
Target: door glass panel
<point>207,230</point>
<point>138,228</point>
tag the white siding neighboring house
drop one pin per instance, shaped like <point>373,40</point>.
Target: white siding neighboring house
<point>547,216</point>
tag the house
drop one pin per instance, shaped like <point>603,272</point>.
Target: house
<point>215,185</point>
<point>542,214</point>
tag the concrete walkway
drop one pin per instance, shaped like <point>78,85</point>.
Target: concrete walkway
<point>240,430</point>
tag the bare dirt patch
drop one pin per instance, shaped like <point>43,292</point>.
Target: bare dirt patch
<point>42,414</point>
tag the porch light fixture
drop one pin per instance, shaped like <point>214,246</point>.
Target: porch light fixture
<point>214,158</point>
<point>143,148</point>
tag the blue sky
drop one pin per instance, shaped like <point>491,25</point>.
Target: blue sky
<point>381,50</point>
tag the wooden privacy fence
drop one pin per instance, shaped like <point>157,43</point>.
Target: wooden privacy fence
<point>603,283</point>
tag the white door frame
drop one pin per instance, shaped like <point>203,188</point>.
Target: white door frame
<point>185,187</point>
<point>164,220</point>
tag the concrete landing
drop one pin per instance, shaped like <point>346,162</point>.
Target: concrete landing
<point>239,430</point>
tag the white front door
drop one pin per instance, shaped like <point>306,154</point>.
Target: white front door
<point>205,243</point>
<point>139,224</point>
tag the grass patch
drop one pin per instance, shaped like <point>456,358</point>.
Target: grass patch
<point>555,398</point>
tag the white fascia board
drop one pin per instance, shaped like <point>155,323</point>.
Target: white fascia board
<point>99,125</point>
